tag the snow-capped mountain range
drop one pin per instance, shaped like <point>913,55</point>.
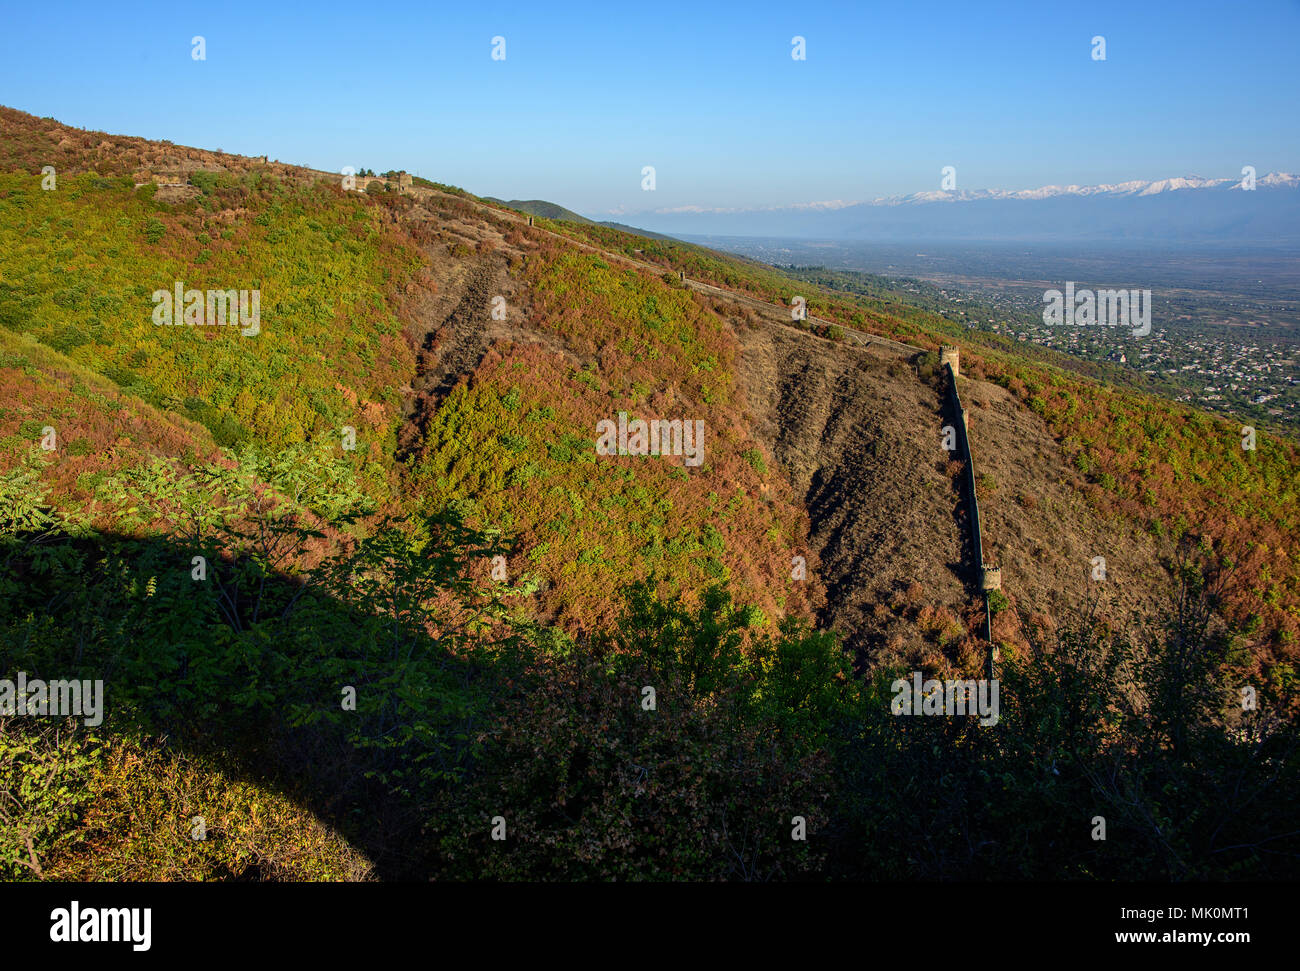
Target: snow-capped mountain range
<point>1183,209</point>
<point>1135,188</point>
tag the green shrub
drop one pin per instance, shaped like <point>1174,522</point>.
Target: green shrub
<point>44,785</point>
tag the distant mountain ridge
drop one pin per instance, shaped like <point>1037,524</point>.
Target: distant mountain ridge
<point>1187,208</point>
<point>1136,187</point>
<point>540,207</point>
<point>551,210</point>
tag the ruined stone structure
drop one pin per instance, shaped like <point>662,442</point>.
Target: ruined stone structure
<point>990,578</point>
<point>948,355</point>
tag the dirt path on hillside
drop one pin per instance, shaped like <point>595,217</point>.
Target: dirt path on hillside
<point>453,326</point>
<point>859,438</point>
<point>851,335</point>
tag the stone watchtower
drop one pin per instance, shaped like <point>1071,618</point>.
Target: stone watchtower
<point>990,578</point>
<point>948,355</point>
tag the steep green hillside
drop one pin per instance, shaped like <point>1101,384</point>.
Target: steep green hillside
<point>347,662</point>
<point>515,447</point>
<point>93,428</point>
<point>79,266</point>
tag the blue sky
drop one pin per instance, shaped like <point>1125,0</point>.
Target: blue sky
<point>708,94</point>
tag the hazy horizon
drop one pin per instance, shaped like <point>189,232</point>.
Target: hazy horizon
<point>1009,96</point>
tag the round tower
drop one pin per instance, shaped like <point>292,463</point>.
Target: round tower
<point>948,355</point>
<point>991,578</point>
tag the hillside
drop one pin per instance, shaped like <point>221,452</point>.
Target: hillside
<point>552,211</point>
<point>395,489</point>
<point>539,207</point>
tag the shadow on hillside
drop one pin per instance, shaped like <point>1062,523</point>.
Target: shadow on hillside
<point>263,703</point>
<point>968,570</point>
